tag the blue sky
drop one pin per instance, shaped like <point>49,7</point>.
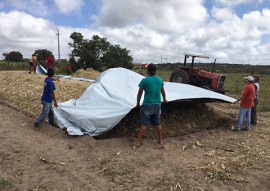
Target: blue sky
<point>233,31</point>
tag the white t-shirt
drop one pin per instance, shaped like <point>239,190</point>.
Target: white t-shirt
<point>257,88</point>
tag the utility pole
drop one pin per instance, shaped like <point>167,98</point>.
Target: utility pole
<point>161,58</point>
<point>58,34</point>
<point>165,58</point>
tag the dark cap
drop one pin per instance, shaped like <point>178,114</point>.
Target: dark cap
<point>151,68</point>
<point>50,72</point>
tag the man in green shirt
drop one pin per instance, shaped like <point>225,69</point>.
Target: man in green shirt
<point>150,109</point>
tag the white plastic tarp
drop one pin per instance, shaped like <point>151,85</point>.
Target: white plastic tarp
<point>41,70</point>
<point>73,78</point>
<point>111,97</point>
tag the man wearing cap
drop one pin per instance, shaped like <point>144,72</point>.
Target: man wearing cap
<point>246,103</point>
<point>150,109</point>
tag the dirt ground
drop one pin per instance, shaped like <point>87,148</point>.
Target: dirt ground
<point>49,159</point>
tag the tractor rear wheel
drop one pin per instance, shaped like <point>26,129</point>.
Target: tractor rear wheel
<point>179,76</point>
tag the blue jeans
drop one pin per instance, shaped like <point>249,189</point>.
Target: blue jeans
<point>150,114</point>
<point>242,112</point>
<point>46,111</point>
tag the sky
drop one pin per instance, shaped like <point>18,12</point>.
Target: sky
<point>155,31</point>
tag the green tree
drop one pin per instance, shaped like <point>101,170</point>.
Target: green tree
<point>97,53</point>
<point>76,44</point>
<point>117,57</point>
<point>42,55</point>
<point>13,56</point>
<point>4,55</point>
<point>73,64</point>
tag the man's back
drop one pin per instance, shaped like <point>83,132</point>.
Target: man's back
<point>50,61</point>
<point>152,86</point>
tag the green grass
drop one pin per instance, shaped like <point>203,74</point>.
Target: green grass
<point>4,184</point>
<point>235,84</point>
<point>13,65</point>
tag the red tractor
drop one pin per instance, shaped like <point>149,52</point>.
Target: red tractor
<point>197,77</point>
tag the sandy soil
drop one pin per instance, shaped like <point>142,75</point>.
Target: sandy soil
<point>49,159</point>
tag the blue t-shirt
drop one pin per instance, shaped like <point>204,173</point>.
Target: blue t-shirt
<point>152,86</point>
<point>48,89</point>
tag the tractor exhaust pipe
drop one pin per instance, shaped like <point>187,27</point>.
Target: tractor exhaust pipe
<point>214,64</point>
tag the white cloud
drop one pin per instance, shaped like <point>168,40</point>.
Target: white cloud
<point>65,6</point>
<point>264,49</point>
<point>35,7</point>
<point>24,33</point>
<point>258,19</point>
<point>149,29</point>
<point>169,16</point>
<point>137,34</point>
<point>222,14</point>
<point>44,7</point>
<point>134,38</point>
<point>235,2</point>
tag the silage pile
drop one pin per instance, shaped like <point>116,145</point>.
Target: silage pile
<point>89,73</point>
<point>23,91</point>
<point>178,118</point>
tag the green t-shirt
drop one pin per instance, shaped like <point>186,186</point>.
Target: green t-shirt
<point>152,86</point>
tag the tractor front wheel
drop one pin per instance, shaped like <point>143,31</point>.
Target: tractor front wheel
<point>179,76</point>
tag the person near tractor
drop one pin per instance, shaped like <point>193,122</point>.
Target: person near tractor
<point>246,103</point>
<point>256,101</point>
<point>50,61</point>
<point>150,109</point>
<point>47,98</point>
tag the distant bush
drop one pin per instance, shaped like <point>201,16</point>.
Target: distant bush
<point>13,56</point>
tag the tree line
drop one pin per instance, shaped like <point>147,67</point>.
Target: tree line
<point>96,53</point>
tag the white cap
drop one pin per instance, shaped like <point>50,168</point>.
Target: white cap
<point>249,78</point>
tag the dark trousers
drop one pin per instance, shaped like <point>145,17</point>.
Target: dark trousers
<point>254,113</point>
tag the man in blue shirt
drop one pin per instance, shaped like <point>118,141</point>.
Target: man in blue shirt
<point>151,106</point>
<point>46,100</point>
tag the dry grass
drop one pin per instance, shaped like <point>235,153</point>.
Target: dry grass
<point>23,91</point>
<point>89,73</point>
